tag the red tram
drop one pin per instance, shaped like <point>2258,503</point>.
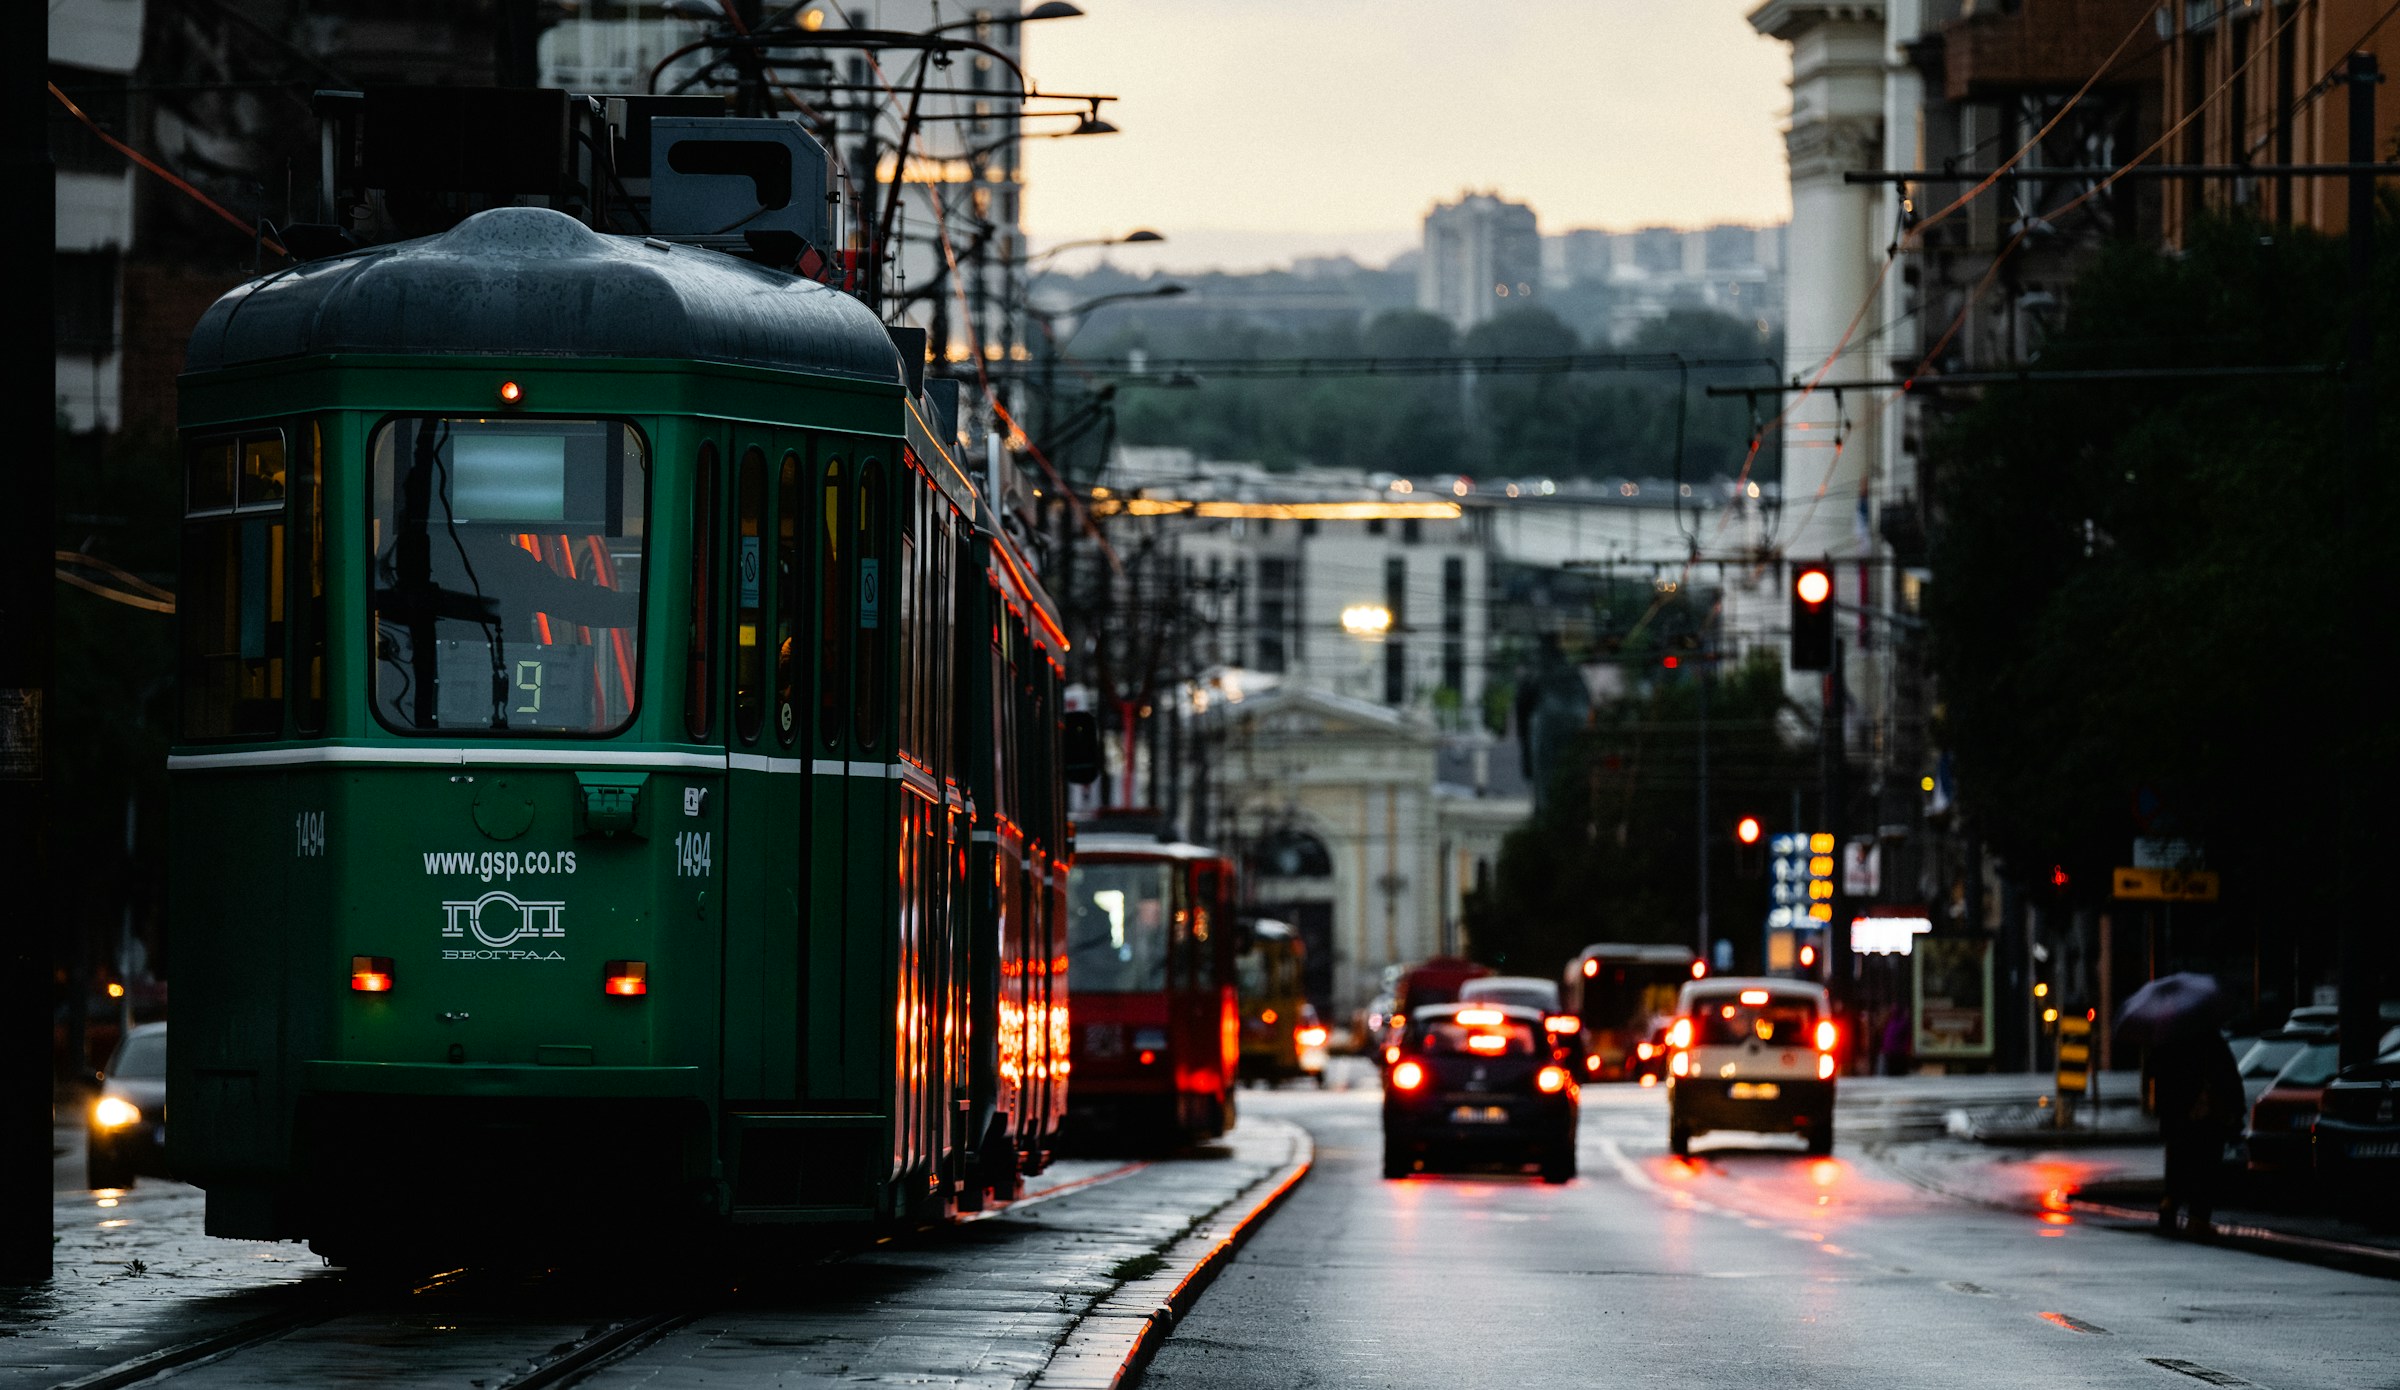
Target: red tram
<point>1150,941</point>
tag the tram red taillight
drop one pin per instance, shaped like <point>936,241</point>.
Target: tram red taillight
<point>371,974</point>
<point>511,393</point>
<point>627,977</point>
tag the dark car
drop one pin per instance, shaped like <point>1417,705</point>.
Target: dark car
<point>126,1132</point>
<point>2357,1139</point>
<point>2282,1118</point>
<point>1479,1081</point>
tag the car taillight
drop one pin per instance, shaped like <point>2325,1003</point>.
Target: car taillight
<point>1480,1017</point>
<point>1391,1055</point>
<point>1591,1063</point>
<point>1643,1051</point>
<point>1490,1044</point>
<point>627,977</point>
<point>1312,1037</point>
<point>1754,997</point>
<point>1681,1034</point>
<point>1824,1066</point>
<point>371,974</point>
<point>1825,1035</point>
<point>1551,1080</point>
<point>1682,1065</point>
<point>1408,1076</point>
<point>1563,1023</point>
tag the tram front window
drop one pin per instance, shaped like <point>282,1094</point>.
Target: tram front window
<point>1117,943</point>
<point>508,575</point>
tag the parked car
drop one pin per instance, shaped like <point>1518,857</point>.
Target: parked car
<point>2267,1056</point>
<point>2281,1120</point>
<point>125,1134</point>
<point>2357,1139</point>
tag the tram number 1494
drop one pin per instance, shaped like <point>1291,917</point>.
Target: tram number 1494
<point>692,854</point>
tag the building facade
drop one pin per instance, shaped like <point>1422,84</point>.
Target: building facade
<point>1482,254</point>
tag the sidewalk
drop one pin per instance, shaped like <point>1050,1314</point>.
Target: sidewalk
<point>2118,1182</point>
<point>1068,1284</point>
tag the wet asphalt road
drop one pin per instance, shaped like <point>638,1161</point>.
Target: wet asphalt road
<point>1750,1265</point>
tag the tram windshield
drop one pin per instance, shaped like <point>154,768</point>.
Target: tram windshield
<point>1117,943</point>
<point>508,574</point>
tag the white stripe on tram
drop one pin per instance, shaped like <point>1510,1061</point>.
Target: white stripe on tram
<point>447,757</point>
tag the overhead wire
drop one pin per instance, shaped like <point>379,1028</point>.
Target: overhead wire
<point>182,185</point>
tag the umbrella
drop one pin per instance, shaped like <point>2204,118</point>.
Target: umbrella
<point>2169,1005</point>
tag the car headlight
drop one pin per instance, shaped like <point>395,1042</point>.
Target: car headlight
<point>112,1113</point>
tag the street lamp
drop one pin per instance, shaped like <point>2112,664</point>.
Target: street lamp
<point>1082,313</point>
<point>1138,237</point>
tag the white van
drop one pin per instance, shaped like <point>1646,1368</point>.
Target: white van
<point>1751,1054</point>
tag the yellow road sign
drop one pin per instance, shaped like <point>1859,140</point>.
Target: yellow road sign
<point>2168,885</point>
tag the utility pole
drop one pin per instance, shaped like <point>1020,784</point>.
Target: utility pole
<point>2355,948</point>
<point>1704,835</point>
<point>1836,946</point>
<point>26,678</point>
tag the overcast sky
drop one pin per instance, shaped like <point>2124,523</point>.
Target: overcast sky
<point>1260,130</point>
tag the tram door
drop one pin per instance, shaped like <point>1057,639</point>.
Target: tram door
<point>765,528</point>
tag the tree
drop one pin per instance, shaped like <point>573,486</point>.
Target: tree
<point>2150,591</point>
<point>1611,855</point>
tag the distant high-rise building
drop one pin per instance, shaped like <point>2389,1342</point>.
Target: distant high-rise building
<point>1482,254</point>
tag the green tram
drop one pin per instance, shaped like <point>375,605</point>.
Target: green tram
<point>618,780</point>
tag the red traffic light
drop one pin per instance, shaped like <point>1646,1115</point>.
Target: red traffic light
<point>1747,830</point>
<point>1808,956</point>
<point>1812,585</point>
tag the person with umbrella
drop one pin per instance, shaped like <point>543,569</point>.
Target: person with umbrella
<point>2190,1082</point>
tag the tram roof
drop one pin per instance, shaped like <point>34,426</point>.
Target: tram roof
<point>1112,842</point>
<point>536,282</point>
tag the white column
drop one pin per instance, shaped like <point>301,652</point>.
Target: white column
<point>1834,253</point>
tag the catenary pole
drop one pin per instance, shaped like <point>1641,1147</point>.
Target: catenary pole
<point>2354,947</point>
<point>26,684</point>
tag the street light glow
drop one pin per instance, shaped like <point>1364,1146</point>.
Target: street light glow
<point>1367,620</point>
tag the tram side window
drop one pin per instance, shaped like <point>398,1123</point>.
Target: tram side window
<point>233,595</point>
<point>699,675</point>
<point>871,576</point>
<point>787,598</point>
<point>833,617</point>
<point>507,574</point>
<point>750,596</point>
<point>308,585</point>
<point>905,734</point>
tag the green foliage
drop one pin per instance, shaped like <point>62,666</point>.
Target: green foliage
<point>2167,590</point>
<point>1612,855</point>
<point>1600,424</point>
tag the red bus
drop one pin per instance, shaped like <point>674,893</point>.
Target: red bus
<point>1150,958</point>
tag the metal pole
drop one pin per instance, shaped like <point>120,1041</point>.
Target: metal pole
<point>1703,834</point>
<point>2354,948</point>
<point>26,684</point>
<point>1836,946</point>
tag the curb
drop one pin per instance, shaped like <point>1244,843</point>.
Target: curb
<point>2259,1240</point>
<point>1113,1342</point>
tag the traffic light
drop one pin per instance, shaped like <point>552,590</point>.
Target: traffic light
<point>1812,618</point>
<point>1749,847</point>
